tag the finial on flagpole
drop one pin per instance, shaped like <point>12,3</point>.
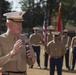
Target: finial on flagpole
<point>45,2</point>
<point>60,4</point>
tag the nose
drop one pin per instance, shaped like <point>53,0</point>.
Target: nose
<point>19,23</point>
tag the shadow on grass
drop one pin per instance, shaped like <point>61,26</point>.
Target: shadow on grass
<point>63,70</point>
<point>69,71</point>
<point>40,69</point>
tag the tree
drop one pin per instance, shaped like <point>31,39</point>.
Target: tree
<point>34,13</point>
<point>68,11</point>
<point>35,10</point>
<point>4,7</point>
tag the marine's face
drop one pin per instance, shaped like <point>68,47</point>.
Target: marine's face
<point>57,37</point>
<point>35,31</point>
<point>15,27</point>
<point>65,33</point>
<point>51,31</point>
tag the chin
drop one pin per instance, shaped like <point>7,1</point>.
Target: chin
<point>18,33</point>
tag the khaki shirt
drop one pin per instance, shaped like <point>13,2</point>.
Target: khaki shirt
<point>35,39</point>
<point>50,37</point>
<point>66,41</point>
<point>55,49</point>
<point>16,63</point>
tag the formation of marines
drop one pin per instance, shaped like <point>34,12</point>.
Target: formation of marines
<point>58,47</point>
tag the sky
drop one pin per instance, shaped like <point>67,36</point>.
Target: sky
<point>16,5</point>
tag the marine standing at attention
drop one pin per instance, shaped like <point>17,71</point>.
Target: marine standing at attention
<point>56,50</point>
<point>35,39</point>
<point>49,38</point>
<point>73,52</point>
<point>66,40</point>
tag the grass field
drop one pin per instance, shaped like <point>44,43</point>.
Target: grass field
<point>35,71</point>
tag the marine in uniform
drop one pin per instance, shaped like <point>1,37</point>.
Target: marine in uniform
<point>73,51</point>
<point>56,50</point>
<point>35,40</point>
<point>49,38</point>
<point>13,55</point>
<point>66,40</point>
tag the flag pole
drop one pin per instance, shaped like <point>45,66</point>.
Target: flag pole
<point>45,25</point>
<point>45,22</point>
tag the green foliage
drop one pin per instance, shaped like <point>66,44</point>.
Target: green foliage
<point>68,12</point>
<point>33,18</point>
<point>35,11</point>
<point>5,6</point>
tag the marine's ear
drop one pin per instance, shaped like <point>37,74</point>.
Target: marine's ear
<point>8,23</point>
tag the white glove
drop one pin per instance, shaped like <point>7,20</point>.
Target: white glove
<point>66,46</point>
<point>71,49</point>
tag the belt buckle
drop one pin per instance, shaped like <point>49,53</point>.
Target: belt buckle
<point>56,57</point>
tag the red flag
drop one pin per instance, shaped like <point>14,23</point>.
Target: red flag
<point>59,27</point>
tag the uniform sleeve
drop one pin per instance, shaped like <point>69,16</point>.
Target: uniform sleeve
<point>63,50</point>
<point>42,41</point>
<point>30,61</point>
<point>48,48</point>
<point>72,42</point>
<point>69,42</point>
<point>30,38</point>
<point>4,59</point>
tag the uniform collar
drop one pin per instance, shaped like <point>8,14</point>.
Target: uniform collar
<point>55,41</point>
<point>10,36</point>
<point>65,36</point>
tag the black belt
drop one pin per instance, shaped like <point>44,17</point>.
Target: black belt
<point>21,72</point>
<point>56,57</point>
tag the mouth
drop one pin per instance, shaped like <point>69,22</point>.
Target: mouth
<point>19,29</point>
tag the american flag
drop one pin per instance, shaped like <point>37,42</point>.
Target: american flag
<point>45,27</point>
